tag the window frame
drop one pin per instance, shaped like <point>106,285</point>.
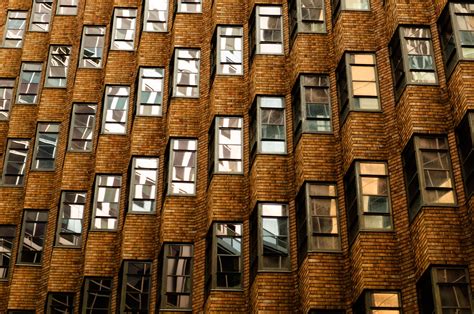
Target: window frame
<point>106,108</point>
<point>59,231</point>
<point>73,126</point>
<point>59,6</point>
<point>4,239</point>
<point>364,303</point>
<point>98,176</point>
<point>465,141</point>
<point>146,18</point>
<point>36,147</point>
<point>140,97</point>
<point>49,301</point>
<point>255,40</point>
<point>48,77</point>
<point>174,72</point>
<point>341,5</point>
<point>179,7</point>
<point>82,58</point>
<point>296,21</point>
<point>6,29</point>
<point>114,42</point>
<point>7,86</point>
<point>169,167</point>
<point>216,50</point>
<point>20,82</point>
<point>5,162</point>
<point>154,200</point>
<point>124,283</point>
<point>33,13</point>
<point>85,292</point>
<point>21,243</point>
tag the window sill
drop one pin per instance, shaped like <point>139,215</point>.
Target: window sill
<point>67,247</point>
<point>38,265</point>
<point>6,47</point>
<point>184,97</point>
<point>322,251</point>
<point>133,213</point>
<point>42,170</point>
<point>55,87</point>
<point>103,230</point>
<point>78,151</point>
<point>264,271</point>
<point>231,290</point>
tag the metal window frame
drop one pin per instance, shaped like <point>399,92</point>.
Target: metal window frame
<point>179,7</point>
<point>47,84</point>
<point>436,285</point>
<point>113,38</point>
<point>105,108</point>
<point>219,48</point>
<point>145,20</point>
<point>257,28</point>
<point>40,83</point>
<point>368,295</point>
<point>4,39</point>
<point>467,166</point>
<point>133,185</point>
<point>11,100</point>
<point>94,203</point>
<point>295,6</point>
<point>60,5</point>
<point>124,281</point>
<point>85,294</point>
<point>60,219</point>
<point>33,12</point>
<point>164,275</point>
<point>83,39</point>
<point>72,126</point>
<point>36,147</point>
<point>13,244</point>
<point>5,162</point>
<point>50,297</point>
<point>215,142</point>
<point>140,91</point>
<point>22,237</point>
<point>456,29</point>
<point>174,71</point>
<point>170,166</point>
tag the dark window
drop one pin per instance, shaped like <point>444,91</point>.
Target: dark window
<point>32,236</point>
<point>135,287</point>
<point>378,302</point>
<point>428,173</point>
<point>82,127</point>
<point>47,135</point>
<point>465,137</point>
<point>60,303</point>
<point>367,197</point>
<point>14,162</point>
<point>7,234</point>
<point>6,95</point>
<point>97,295</point>
<point>71,212</point>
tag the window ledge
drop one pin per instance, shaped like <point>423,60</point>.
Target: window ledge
<point>133,213</point>
<point>29,264</point>
<point>42,170</point>
<point>241,290</point>
<point>67,247</point>
<point>265,271</point>
<point>104,230</point>
<point>314,252</point>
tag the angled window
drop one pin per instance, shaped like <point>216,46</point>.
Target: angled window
<point>357,83</point>
<point>124,25</point>
<point>116,109</point>
<point>135,294</point>
<point>271,251</point>
<point>32,236</point>
<point>6,96</point>
<point>182,167</point>
<point>45,146</point>
<point>58,64</point>
<point>177,280</point>
<point>186,73</point>
<point>465,137</point>
<point>350,5</point>
<point>428,173</point>
<point>266,30</point>
<point>15,29</point>
<point>367,197</point>
<point>445,290</point>
<point>411,55</point>
<point>382,301</point>
<point>71,213</point>
<point>7,235</point>
<point>29,83</point>
<point>106,204</point>
<point>225,145</point>
<point>456,29</point>
<point>317,215</point>
<point>81,133</point>
<point>156,16</point>
<point>150,93</point>
<point>60,302</point>
<point>226,51</point>
<point>225,266</point>
<point>143,184</point>
<point>97,295</point>
<point>14,162</point>
<point>267,126</point>
<point>92,47</point>
<point>306,16</point>
<point>189,6</point>
<point>311,105</point>
<point>67,7</point>
<point>41,15</point>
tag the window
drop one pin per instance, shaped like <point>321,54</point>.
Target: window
<point>367,197</point>
<point>357,84</point>
<point>92,47</point>
<point>150,94</point>
<point>106,202</point>
<point>306,16</point>
<point>317,311</point>
<point>411,54</point>
<point>116,109</point>
<point>7,234</point>
<point>445,290</point>
<point>378,302</point>
<point>6,95</point>
<point>15,29</point>
<point>182,167</point>
<point>189,6</point>
<point>143,184</point>
<point>32,236</point>
<point>456,28</point>
<point>177,280</point>
<point>123,33</point>
<point>56,74</point>
<point>226,51</point>
<point>311,105</point>
<point>265,31</point>
<point>225,267</point>
<point>357,5</point>
<point>14,163</point>
<point>267,126</point>
<point>71,213</point>
<point>225,145</point>
<point>67,7</point>
<point>46,146</point>
<point>60,302</point>
<point>41,15</point>
<point>156,16</point>
<point>29,84</point>
<point>271,251</point>
<point>97,295</point>
<point>428,174</point>
<point>186,73</point>
<point>82,127</point>
<point>135,287</point>
<point>317,215</point>
<point>465,137</point>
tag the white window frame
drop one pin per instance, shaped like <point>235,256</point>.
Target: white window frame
<point>13,16</point>
<point>124,44</point>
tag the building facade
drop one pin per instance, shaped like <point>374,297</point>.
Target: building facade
<point>309,156</point>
